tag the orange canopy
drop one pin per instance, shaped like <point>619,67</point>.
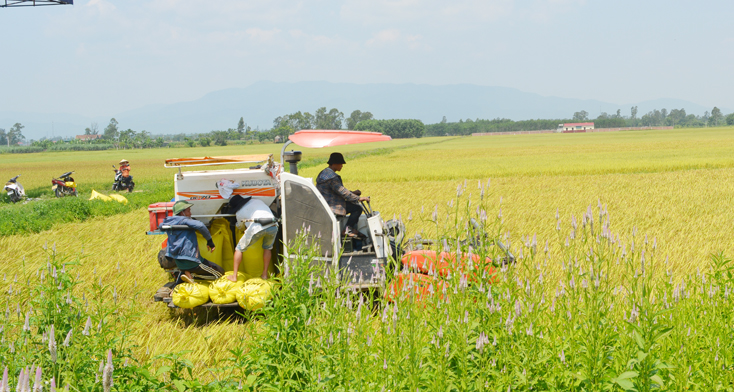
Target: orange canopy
<point>318,138</point>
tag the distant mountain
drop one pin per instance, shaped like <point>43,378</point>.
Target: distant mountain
<point>262,102</point>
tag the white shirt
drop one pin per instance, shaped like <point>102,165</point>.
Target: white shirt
<point>254,209</point>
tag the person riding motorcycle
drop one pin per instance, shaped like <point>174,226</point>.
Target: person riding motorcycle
<point>125,167</point>
<point>123,179</point>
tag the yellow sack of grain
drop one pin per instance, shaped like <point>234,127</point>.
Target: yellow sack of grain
<point>223,254</point>
<point>190,295</point>
<point>118,198</point>
<point>253,294</point>
<point>98,196</point>
<point>241,276</point>
<point>222,290</point>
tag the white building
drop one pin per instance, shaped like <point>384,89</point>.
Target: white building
<point>575,127</point>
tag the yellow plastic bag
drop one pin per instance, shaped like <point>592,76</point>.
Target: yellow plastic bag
<point>118,198</point>
<point>223,254</point>
<point>253,294</point>
<point>98,196</point>
<point>223,290</point>
<point>241,276</point>
<point>190,295</point>
<point>252,259</point>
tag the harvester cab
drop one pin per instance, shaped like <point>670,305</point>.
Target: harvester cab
<point>293,199</point>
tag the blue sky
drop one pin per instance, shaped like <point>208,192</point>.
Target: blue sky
<point>102,57</point>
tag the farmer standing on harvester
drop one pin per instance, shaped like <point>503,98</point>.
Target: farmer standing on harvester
<point>183,247</point>
<point>341,200</point>
<point>257,221</point>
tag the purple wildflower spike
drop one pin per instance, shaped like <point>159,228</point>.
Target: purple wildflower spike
<point>38,383</point>
<point>107,375</point>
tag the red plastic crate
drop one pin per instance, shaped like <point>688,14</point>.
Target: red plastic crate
<point>158,212</point>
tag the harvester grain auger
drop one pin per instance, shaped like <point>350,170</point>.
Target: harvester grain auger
<point>293,199</point>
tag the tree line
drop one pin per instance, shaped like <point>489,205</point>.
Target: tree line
<point>286,125</point>
<point>445,128</point>
<point>676,118</point>
<point>13,136</point>
<point>662,117</point>
<point>283,126</point>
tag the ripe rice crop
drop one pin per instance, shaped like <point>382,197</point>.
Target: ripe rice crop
<point>590,315</point>
<point>607,314</point>
<point>94,168</point>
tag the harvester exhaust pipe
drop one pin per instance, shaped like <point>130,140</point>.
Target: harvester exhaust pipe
<point>292,157</point>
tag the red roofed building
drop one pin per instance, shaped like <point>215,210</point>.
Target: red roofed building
<point>575,127</point>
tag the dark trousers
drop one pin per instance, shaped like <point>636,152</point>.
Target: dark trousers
<point>205,270</point>
<point>354,211</point>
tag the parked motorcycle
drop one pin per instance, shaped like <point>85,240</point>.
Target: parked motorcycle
<point>14,189</point>
<point>64,185</point>
<point>123,180</point>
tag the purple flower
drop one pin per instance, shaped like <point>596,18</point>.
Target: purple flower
<point>67,341</point>
<point>21,378</point>
<point>85,332</point>
<point>38,384</point>
<point>4,387</point>
<point>52,344</point>
<point>107,374</point>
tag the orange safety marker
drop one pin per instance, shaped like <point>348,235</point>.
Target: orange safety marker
<point>441,264</point>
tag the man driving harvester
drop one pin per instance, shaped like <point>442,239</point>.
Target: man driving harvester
<point>341,200</point>
<point>183,247</point>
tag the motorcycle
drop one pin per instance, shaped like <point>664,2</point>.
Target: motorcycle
<point>14,189</point>
<point>64,185</point>
<point>122,181</point>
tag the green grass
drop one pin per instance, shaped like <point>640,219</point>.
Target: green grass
<point>40,215</point>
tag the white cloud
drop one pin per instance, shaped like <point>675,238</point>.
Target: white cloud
<point>395,38</point>
<point>429,13</point>
<point>81,49</point>
<point>103,7</point>
<point>384,37</point>
<point>549,10</point>
<point>262,36</point>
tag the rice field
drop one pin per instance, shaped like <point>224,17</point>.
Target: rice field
<point>94,168</point>
<point>637,304</point>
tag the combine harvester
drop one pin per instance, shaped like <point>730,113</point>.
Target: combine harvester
<point>293,199</point>
<point>299,206</point>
